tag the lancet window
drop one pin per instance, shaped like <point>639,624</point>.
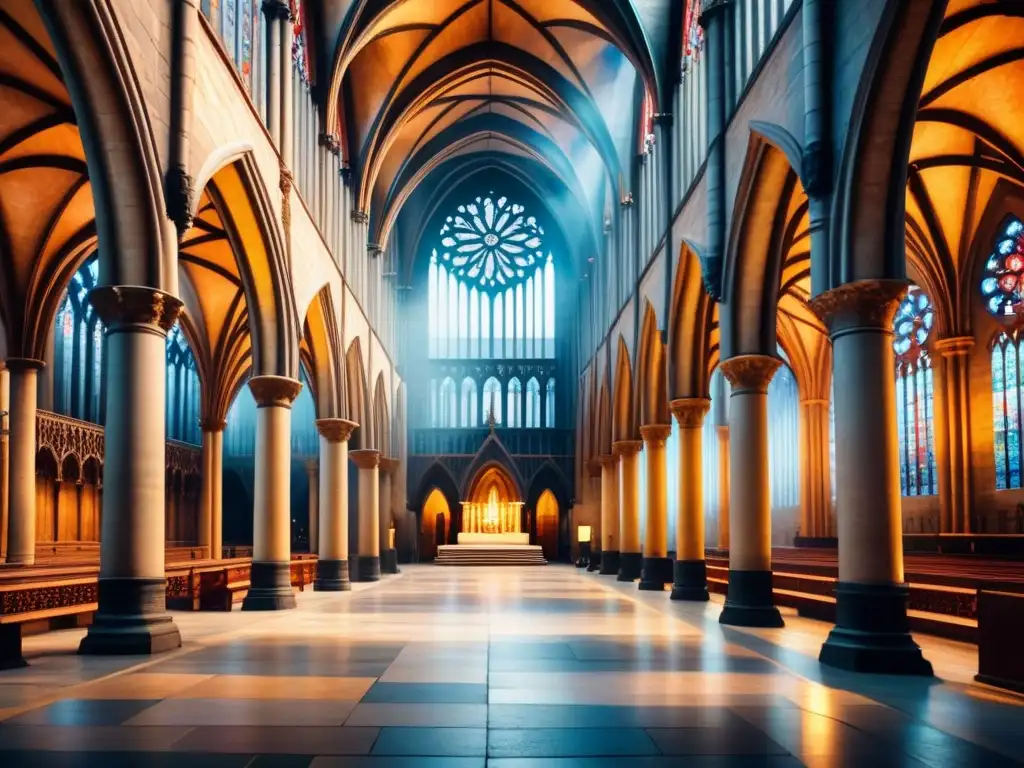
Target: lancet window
<point>915,394</point>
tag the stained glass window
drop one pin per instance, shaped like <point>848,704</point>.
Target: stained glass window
<point>1006,409</point>
<point>515,403</point>
<point>183,393</point>
<point>1001,284</point>
<point>693,35</point>
<point>549,415</point>
<point>300,53</point>
<point>78,350</point>
<point>915,417</point>
<point>533,403</point>
<point>784,439</point>
<point>492,400</point>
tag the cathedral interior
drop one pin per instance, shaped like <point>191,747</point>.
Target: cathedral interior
<point>511,383</point>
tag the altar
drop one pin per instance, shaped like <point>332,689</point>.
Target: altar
<point>492,522</point>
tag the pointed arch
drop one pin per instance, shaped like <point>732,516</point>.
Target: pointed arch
<point>603,446</point>
<point>693,329</point>
<point>358,405</point>
<point>381,420</point>
<point>652,372</point>
<point>624,426</point>
<point>320,338</point>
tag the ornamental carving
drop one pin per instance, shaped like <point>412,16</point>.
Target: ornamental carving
<point>33,598</point>
<point>360,217</point>
<point>861,304</point>
<point>274,391</point>
<point>627,447</point>
<point>182,457</point>
<point>389,465</point>
<point>365,458</point>
<point>690,411</point>
<point>64,436</point>
<point>655,435</point>
<point>135,305</point>
<point>210,424</point>
<point>750,373</point>
<point>336,430</point>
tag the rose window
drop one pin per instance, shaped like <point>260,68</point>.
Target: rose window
<point>1001,285</point>
<point>913,323</point>
<point>492,242</point>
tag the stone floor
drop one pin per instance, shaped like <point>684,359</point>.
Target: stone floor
<point>498,667</point>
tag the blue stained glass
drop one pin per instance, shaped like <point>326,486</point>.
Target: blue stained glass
<point>911,415</point>
<point>1003,282</point>
<point>998,415</point>
<point>930,422</point>
<point>901,429</point>
<point>1012,416</point>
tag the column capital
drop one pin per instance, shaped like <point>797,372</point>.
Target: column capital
<point>277,9</point>
<point>135,305</point>
<point>627,447</point>
<point>211,424</point>
<point>274,391</point>
<point>810,402</point>
<point>312,465</point>
<point>607,460</point>
<point>593,467</point>
<point>389,465</point>
<point>360,217</point>
<point>954,346</point>
<point>690,411</point>
<point>22,364</point>
<point>862,304</point>
<point>711,9</point>
<point>365,458</point>
<point>336,430</point>
<point>750,373</point>
<point>655,434</point>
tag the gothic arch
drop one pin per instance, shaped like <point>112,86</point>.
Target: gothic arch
<point>320,340</point>
<point>381,420</point>
<point>358,404</point>
<point>624,426</point>
<point>693,329</point>
<point>437,476</point>
<point>652,372</point>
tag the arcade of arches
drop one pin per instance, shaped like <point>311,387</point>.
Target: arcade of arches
<point>719,301</point>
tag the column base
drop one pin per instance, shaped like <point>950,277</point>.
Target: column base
<point>10,647</point>
<point>872,633</point>
<point>595,562</point>
<point>609,563</point>
<point>749,602</point>
<point>332,576</point>
<point>367,568</point>
<point>389,561</point>
<point>131,619</point>
<point>690,581</point>
<point>655,573</point>
<point>270,588</point>
<point>15,559</point>
<point>630,566</point>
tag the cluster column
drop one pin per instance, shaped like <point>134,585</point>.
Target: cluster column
<point>609,514</point>
<point>720,414</point>
<point>132,616</point>
<point>313,505</point>
<point>872,633</point>
<point>388,553</point>
<point>270,582</point>
<point>816,490</point>
<point>592,476</point>
<point>368,559</point>
<point>690,575</point>
<point>24,386</point>
<point>749,600</point>
<point>954,379</point>
<point>211,506</point>
<point>656,571</point>
<point>630,555</point>
<point>332,550</point>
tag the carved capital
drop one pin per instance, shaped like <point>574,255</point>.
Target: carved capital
<point>954,346</point>
<point>277,10</point>
<point>365,458</point>
<point>211,424</point>
<point>863,304</point>
<point>134,305</point>
<point>627,447</point>
<point>23,364</point>
<point>336,430</point>
<point>274,391</point>
<point>179,191</point>
<point>750,373</point>
<point>373,249</point>
<point>287,181</point>
<point>607,460</point>
<point>360,217</point>
<point>593,467</point>
<point>389,465</point>
<point>690,411</point>
<point>712,9</point>
<point>655,434</point>
<point>312,467</point>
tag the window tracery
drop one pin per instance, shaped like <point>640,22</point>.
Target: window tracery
<point>1001,284</point>
<point>1006,409</point>
<point>183,391</point>
<point>915,416</point>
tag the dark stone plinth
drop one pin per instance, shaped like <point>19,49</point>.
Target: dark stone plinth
<point>595,561</point>
<point>270,588</point>
<point>872,633</point>
<point>389,561</point>
<point>131,619</point>
<point>749,601</point>
<point>655,573</point>
<point>367,568</point>
<point>630,566</point>
<point>690,580</point>
<point>609,563</point>
<point>332,576</point>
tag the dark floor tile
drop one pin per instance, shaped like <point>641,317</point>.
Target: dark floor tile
<point>528,649</point>
<point>286,740</point>
<point>121,760</point>
<point>398,761</point>
<point>715,761</point>
<point>569,742</point>
<point>605,716</point>
<point>280,761</point>
<point>431,742</point>
<point>730,740</point>
<point>83,712</point>
<point>427,693</point>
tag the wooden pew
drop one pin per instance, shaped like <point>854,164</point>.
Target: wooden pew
<point>1000,628</point>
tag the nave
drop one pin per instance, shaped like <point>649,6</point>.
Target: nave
<point>469,667</point>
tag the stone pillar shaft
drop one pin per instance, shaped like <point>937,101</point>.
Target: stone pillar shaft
<point>389,467</point>
<point>270,582</point>
<point>956,470</point>
<point>609,514</point>
<point>211,501</point>
<point>816,491</point>
<point>368,565</point>
<point>5,457</point>
<point>690,570</point>
<point>656,569</point>
<point>132,617</point>
<point>21,532</point>
<point>332,572</point>
<point>871,633</point>
<point>630,550</point>
<point>749,601</point>
<point>313,506</point>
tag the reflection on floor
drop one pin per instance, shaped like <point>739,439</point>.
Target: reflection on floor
<point>498,667</point>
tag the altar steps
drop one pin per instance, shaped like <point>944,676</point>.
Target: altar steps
<point>489,554</point>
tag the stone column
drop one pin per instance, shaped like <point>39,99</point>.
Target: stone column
<point>816,487</point>
<point>720,414</point>
<point>656,569</point>
<point>313,506</point>
<point>872,633</point>
<point>956,518</point>
<point>5,406</point>
<point>270,586</point>
<point>593,477</point>
<point>609,514</point>
<point>630,556</point>
<point>388,554</point>
<point>21,531</point>
<point>132,617</point>
<point>332,561</point>
<point>211,506</point>
<point>749,601</point>
<point>690,575</point>
<point>368,559</point>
